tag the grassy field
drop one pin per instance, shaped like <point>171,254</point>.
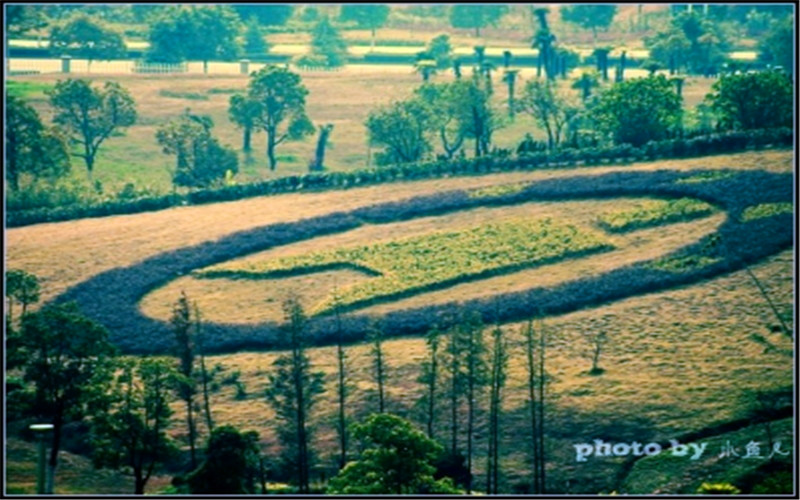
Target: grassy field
<point>677,361</point>
<point>342,98</point>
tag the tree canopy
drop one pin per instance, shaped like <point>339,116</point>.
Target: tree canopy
<point>403,128</point>
<point>397,460</point>
<point>589,16</point>
<point>281,99</point>
<point>201,33</point>
<point>639,110</point>
<point>778,47</point>
<point>90,115</point>
<point>201,160</point>
<point>753,100</point>
<point>230,466</point>
<point>31,148</point>
<point>369,16</point>
<point>86,38</point>
<point>476,16</point>
<point>267,14</point>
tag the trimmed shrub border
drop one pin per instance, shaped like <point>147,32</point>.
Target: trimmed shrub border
<point>729,142</point>
<point>112,297</point>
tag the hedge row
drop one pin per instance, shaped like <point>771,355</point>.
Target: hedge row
<point>112,297</point>
<point>676,148</point>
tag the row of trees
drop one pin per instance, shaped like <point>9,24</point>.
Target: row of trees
<point>438,117</point>
<point>63,369</point>
<point>628,112</point>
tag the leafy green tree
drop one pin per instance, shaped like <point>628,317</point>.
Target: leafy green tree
<point>778,47</point>
<point>282,101</point>
<point>327,44</point>
<point>689,40</point>
<point>86,38</point>
<point>403,128</point>
<point>186,385</point>
<point>478,117</point>
<point>31,149</point>
<point>753,100</point>
<point>397,460</point>
<point>69,361</point>
<point>217,28</point>
<point>201,160</point>
<point>194,32</point>
<point>476,16</point>
<point>23,287</point>
<point>551,110</point>
<point>639,110</point>
<point>254,42</point>
<point>369,16</point>
<point>292,391</point>
<point>267,14</point>
<point>22,18</point>
<point>440,50</point>
<point>230,466</point>
<point>589,16</point>
<point>91,115</point>
<point>244,112</point>
<point>131,433</point>
<point>446,101</point>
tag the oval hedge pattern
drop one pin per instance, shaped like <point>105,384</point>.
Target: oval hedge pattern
<point>112,297</point>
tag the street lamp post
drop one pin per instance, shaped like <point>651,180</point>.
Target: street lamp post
<point>41,431</point>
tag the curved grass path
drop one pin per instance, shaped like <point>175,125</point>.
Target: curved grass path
<point>112,297</point>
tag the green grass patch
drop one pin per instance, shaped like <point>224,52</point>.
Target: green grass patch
<point>704,177</point>
<point>502,190</point>
<point>27,90</point>
<point>192,96</point>
<point>421,263</point>
<point>225,90</point>
<point>652,213</point>
<point>766,210</point>
<point>683,264</point>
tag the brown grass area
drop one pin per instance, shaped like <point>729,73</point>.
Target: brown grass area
<point>677,361</point>
<point>235,301</point>
<point>63,254</point>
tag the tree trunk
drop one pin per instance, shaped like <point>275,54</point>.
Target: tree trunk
<point>271,151</point>
<point>372,41</point>
<point>190,425</point>
<point>432,393</point>
<point>302,442</point>
<point>58,424</point>
<point>205,67</point>
<point>139,482</point>
<point>246,146</point>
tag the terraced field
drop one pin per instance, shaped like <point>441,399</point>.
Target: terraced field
<point>667,283</point>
